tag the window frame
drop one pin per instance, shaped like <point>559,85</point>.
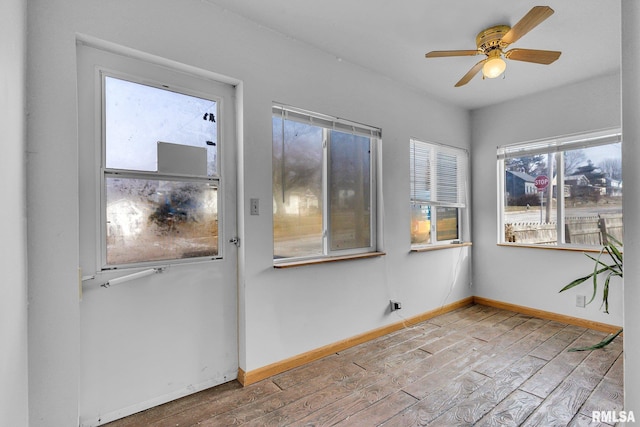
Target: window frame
<point>103,172</point>
<point>461,156</point>
<point>328,124</point>
<point>557,147</point>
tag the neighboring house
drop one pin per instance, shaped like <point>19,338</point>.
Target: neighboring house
<point>519,184</point>
<point>614,187</point>
<point>573,185</point>
<point>576,180</point>
<point>580,185</point>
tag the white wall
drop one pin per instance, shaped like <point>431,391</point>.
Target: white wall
<point>631,155</point>
<point>13,287</point>
<point>533,277</point>
<point>282,312</point>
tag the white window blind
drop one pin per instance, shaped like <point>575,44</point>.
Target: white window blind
<point>559,144</point>
<point>328,122</point>
<point>437,174</point>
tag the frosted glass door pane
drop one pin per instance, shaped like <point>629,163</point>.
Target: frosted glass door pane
<point>154,220</point>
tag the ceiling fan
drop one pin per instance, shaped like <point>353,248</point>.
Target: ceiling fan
<point>492,42</point>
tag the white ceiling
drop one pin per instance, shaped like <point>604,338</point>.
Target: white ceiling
<point>391,38</point>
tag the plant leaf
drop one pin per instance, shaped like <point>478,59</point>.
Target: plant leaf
<point>576,282</point>
<point>605,294</point>
<point>595,287</point>
<point>617,256</point>
<point>601,344</point>
<point>595,274</point>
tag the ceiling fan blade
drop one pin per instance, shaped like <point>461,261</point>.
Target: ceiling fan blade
<point>533,55</point>
<point>446,53</point>
<point>472,72</point>
<point>531,20</point>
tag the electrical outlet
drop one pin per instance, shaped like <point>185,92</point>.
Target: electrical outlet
<point>395,305</point>
<point>581,301</point>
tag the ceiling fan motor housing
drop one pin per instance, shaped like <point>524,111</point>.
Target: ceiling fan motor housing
<point>489,40</point>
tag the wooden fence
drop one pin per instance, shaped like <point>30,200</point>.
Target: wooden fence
<point>591,230</point>
<point>583,230</point>
<point>611,225</point>
<point>531,232</point>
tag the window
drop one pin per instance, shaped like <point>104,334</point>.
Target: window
<point>564,191</point>
<point>438,192</point>
<point>324,185</point>
<point>160,180</point>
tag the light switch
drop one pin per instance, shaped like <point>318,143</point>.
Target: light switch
<point>255,206</point>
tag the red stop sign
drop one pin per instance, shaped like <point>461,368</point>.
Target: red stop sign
<point>541,182</point>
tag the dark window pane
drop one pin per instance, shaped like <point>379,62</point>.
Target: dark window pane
<point>446,223</point>
<point>350,191</point>
<point>297,189</point>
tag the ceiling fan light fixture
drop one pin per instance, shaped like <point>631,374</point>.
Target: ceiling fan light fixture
<point>493,41</point>
<point>494,66</point>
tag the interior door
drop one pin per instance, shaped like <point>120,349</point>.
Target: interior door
<point>159,273</point>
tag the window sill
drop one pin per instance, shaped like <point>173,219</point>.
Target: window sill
<point>550,247</point>
<point>440,247</point>
<point>301,263</point>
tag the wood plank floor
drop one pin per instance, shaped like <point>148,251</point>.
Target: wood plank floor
<point>477,365</point>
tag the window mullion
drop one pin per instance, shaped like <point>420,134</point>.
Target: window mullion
<point>373,194</point>
<point>155,175</point>
<point>433,191</point>
<point>326,218</point>
<point>500,196</point>
<point>559,197</point>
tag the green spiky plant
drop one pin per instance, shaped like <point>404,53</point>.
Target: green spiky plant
<point>608,264</point>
